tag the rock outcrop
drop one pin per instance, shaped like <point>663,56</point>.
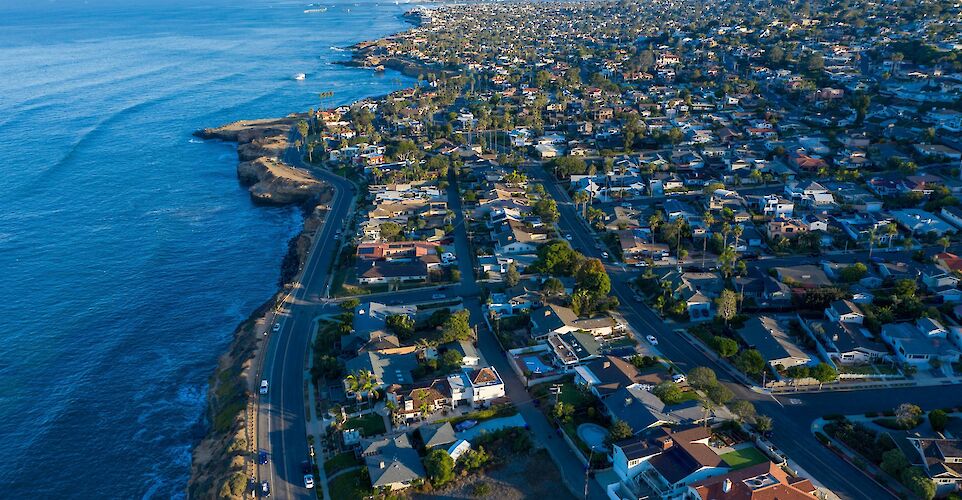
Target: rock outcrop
<point>261,145</point>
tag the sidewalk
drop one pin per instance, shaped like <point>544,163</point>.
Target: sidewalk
<point>315,423</point>
<point>871,470</point>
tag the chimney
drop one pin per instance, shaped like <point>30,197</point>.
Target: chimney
<point>727,485</point>
<point>667,443</point>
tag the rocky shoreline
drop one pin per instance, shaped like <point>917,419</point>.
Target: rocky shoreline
<point>260,146</point>
<point>219,467</point>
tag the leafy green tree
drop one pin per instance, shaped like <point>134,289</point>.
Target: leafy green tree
<point>894,462</point>
<point>725,346</point>
<point>618,431</point>
<point>547,209</point>
<point>439,466</point>
<point>750,361</point>
<point>919,483</point>
<point>456,327</point>
<point>390,230</point>
<point>592,277</point>
<point>719,394</point>
<point>553,286</point>
<point>350,304</point>
<point>938,420</point>
<point>727,305</point>
<point>743,409</point>
<point>853,273</point>
<point>512,277</point>
<point>668,392</point>
<point>401,324</point>
<point>823,372</point>
<point>907,415</point>
<point>764,423</point>
<point>558,258</point>
<point>702,377</point>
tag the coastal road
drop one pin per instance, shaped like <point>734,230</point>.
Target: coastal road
<point>792,414</point>
<point>281,414</point>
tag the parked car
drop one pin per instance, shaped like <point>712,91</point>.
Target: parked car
<point>604,254</point>
<point>265,489</point>
<point>308,481</point>
<point>306,467</point>
<point>638,298</point>
<point>652,339</point>
<point>438,296</point>
<point>276,328</point>
<point>262,457</point>
<point>678,378</point>
<point>263,387</point>
<point>467,424</point>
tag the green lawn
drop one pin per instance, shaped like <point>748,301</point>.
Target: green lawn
<point>371,424</point>
<point>353,485</point>
<point>340,462</point>
<point>746,457</point>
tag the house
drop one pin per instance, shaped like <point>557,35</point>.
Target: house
<point>374,272</point>
<point>636,246</point>
<point>914,347</point>
<point>668,461</point>
<point>396,250</point>
<point>387,369</point>
<point>608,374</point>
<point>412,402</point>
<point>766,335</point>
<point>952,215</point>
<point>434,435</point>
<point>513,301</point>
<point>557,319</point>
<point>642,410</point>
<point>392,463</point>
<point>844,311</point>
<point>849,343</point>
<point>803,276</point>
<point>775,206</point>
<point>486,384</point>
<point>785,228</point>
<point>764,481</point>
<point>571,349</point>
<point>942,460</point>
<point>920,222</point>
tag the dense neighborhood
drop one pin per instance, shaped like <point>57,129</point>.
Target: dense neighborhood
<point>595,234</point>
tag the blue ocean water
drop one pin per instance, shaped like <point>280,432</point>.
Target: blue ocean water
<point>128,251</point>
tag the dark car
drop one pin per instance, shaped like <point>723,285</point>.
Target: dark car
<point>306,467</point>
<point>262,457</point>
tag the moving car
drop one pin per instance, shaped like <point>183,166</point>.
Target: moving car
<point>652,339</point>
<point>604,254</point>
<point>276,327</point>
<point>308,481</point>
<point>263,387</point>
<point>568,236</point>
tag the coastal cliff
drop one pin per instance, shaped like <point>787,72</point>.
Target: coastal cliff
<point>260,146</point>
<point>219,467</point>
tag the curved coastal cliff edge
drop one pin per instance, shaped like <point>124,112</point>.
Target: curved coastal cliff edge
<point>219,468</point>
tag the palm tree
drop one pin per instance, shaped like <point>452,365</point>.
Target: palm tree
<point>709,220</point>
<point>362,381</point>
<point>871,240</point>
<point>891,231</point>
<point>737,231</point>
<point>654,221</point>
<point>726,229</point>
<point>945,242</point>
<point>581,200</point>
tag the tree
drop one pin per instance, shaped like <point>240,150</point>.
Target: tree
<point>725,346</point>
<point>618,431</point>
<point>764,423</point>
<point>719,394</point>
<point>668,392</point>
<point>919,483</point>
<point>389,230</point>
<point>938,419</point>
<point>894,462</point>
<point>563,411</point>
<point>362,382</point>
<point>860,103</point>
<point>350,304</point>
<point>743,410</point>
<point>592,277</point>
<point>439,466</point>
<point>547,209</point>
<point>709,219</point>
<point>401,324</point>
<point>512,277</point>
<point>553,286</point>
<point>750,361</point>
<point>727,304</point>
<point>907,415</point>
<point>456,327</point>
<point>702,377</point>
<point>581,199</point>
<point>944,242</point>
<point>853,273</point>
<point>823,372</point>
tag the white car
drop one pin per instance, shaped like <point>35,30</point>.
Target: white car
<point>678,378</point>
<point>604,254</point>
<point>568,237</point>
<point>652,339</point>
<point>276,327</point>
<point>263,387</point>
<point>308,481</point>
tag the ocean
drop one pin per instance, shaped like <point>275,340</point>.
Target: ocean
<point>128,250</point>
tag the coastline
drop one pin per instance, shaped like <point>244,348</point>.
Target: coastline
<point>219,459</point>
<point>220,465</point>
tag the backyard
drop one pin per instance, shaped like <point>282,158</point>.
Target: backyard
<point>371,424</point>
<point>745,457</point>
